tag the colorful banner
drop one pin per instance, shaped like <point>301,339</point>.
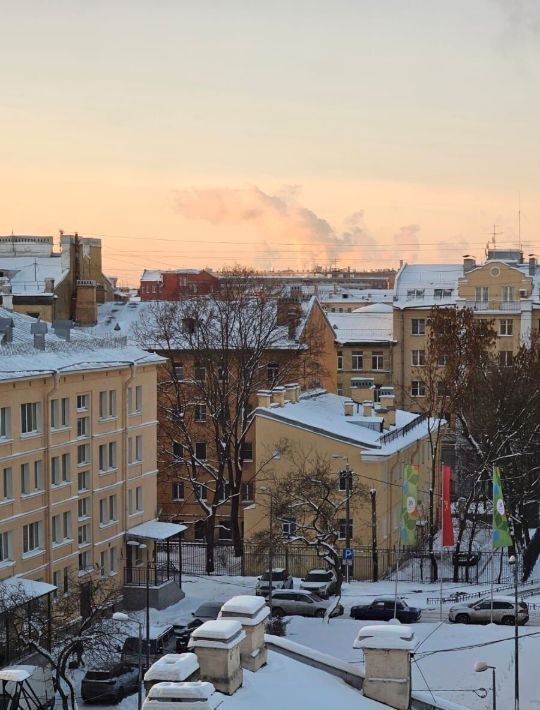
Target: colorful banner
<point>409,512</point>
<point>501,534</point>
<point>447,525</point>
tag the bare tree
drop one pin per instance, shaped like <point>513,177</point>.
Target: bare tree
<point>79,623</point>
<point>221,349</point>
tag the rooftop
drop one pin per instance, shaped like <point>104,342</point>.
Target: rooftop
<point>364,325</point>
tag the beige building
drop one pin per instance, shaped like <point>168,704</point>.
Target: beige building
<point>374,439</point>
<point>364,346</point>
<point>77,453</point>
<point>504,289</point>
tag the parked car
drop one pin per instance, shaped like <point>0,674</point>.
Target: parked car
<point>382,609</point>
<point>162,640</point>
<point>109,684</point>
<point>479,611</point>
<point>281,579</point>
<point>321,581</point>
<point>206,612</point>
<point>301,602</point>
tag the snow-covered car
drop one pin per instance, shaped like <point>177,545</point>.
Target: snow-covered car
<point>479,611</point>
<point>300,602</point>
<point>114,683</point>
<point>321,581</point>
<point>205,612</point>
<point>383,609</point>
<point>281,579</point>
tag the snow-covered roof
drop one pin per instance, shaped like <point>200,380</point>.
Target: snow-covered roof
<point>155,274</point>
<point>221,633</point>
<point>18,590</point>
<point>426,284</point>
<point>244,604</point>
<point>387,636</point>
<point>363,327</point>
<point>173,666</point>
<point>323,413</point>
<point>156,530</point>
<point>197,690</point>
<point>27,274</point>
<point>84,351</point>
<point>354,295</point>
<point>375,308</point>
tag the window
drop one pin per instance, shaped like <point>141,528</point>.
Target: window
<point>506,326</point>
<point>178,370</point>
<point>7,484</point>
<point>342,483</point>
<point>225,532</point>
<point>66,525</point>
<point>25,478</point>
<point>107,510</point>
<point>199,373</point>
<point>5,423</point>
<point>200,451</point>
<point>413,293</point>
<point>507,294</point>
<point>135,449</point>
<point>83,481</point>
<point>342,533</point>
<point>61,527</point>
<point>112,557</point>
<point>82,402</point>
<point>107,404</point>
<point>288,527</point>
<point>56,582</point>
<point>107,455</point>
<point>55,470</point>
<point>112,453</point>
<point>442,292</point>
<point>200,491</point>
<point>418,389</point>
<point>357,360</point>
<point>200,412</point>
<point>84,561</point>
<point>418,326</point>
<point>246,451</point>
<point>442,360</point>
<point>340,360</point>
<point>30,418</point>
<point>59,413</point>
<point>83,454</point>
<point>138,498</point>
<point>178,450</point>
<point>6,547</point>
<point>60,469</point>
<point>481,294</point>
<point>32,537</point>
<point>506,358</point>
<point>246,492</point>
<point>135,500</point>
<point>83,508</point>
<point>103,563</point>
<point>418,358</point>
<point>224,490</point>
<point>65,581</point>
<point>272,373</point>
<point>178,490</point>
<point>83,534</point>
<point>135,406</point>
<point>223,375</point>
<point>38,475</point>
<point>377,361</point>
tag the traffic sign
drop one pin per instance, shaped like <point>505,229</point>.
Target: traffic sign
<point>347,554</point>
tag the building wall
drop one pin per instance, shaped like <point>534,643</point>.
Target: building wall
<point>173,284</point>
<point>344,356</point>
<point>85,481</point>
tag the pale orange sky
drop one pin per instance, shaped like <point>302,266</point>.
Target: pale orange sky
<point>198,133</point>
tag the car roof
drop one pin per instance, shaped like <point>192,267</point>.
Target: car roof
<point>304,592</point>
<point>211,605</point>
<point>498,598</point>
<point>388,599</point>
<point>320,571</point>
<point>276,569</point>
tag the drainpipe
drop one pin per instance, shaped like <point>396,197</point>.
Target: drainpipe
<point>125,387</point>
<point>47,471</point>
<point>402,348</point>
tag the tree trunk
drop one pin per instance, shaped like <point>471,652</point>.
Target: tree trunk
<point>235,525</point>
<point>209,534</point>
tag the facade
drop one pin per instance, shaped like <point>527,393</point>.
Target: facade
<point>177,283</point>
<point>77,453</point>
<point>53,285</point>
<point>504,289</point>
<point>340,430</point>
<point>364,346</point>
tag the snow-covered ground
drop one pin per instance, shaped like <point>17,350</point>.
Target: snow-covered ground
<point>444,657</point>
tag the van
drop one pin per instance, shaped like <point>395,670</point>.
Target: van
<point>161,640</point>
<point>24,686</point>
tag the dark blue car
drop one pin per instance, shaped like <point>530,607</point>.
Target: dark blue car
<point>382,609</point>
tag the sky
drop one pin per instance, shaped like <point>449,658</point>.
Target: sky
<point>276,134</point>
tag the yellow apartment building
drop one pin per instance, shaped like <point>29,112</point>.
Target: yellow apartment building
<point>374,439</point>
<point>505,289</point>
<point>77,455</point>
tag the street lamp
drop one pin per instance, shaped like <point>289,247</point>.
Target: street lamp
<point>512,560</point>
<point>480,667</point>
<point>268,492</point>
<point>120,616</point>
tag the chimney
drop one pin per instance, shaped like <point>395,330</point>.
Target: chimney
<point>362,388</point>
<point>168,694</point>
<point>383,412</point>
<point>390,418</point>
<point>348,407</point>
<point>7,301</point>
<point>62,329</point>
<point>6,330</point>
<point>469,263</point>
<point>86,305</point>
<point>289,312</point>
<point>278,395</point>
<point>176,667</point>
<point>252,613</point>
<point>368,407</point>
<point>38,330</point>
<point>49,284</point>
<point>217,645</point>
<point>387,663</point>
<point>532,265</point>
<point>290,393</point>
<point>264,398</point>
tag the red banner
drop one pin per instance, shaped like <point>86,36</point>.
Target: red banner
<point>447,526</point>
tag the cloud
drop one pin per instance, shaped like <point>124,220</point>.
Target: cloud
<point>406,242</point>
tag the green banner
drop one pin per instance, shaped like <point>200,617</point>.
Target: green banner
<point>409,510</point>
<point>501,535</point>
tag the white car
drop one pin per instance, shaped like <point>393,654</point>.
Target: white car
<point>281,579</point>
<point>321,581</point>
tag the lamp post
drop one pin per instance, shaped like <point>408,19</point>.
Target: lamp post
<point>120,616</point>
<point>480,667</point>
<point>268,492</point>
<point>346,475</point>
<point>512,560</point>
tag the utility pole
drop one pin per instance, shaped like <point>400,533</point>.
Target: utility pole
<point>270,555</point>
<point>374,552</point>
<point>513,561</point>
<point>348,476</point>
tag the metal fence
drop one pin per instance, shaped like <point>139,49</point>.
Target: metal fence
<point>410,565</point>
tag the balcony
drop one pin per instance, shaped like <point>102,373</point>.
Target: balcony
<point>486,306</point>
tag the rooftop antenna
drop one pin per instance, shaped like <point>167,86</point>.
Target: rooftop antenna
<point>519,220</point>
<point>494,234</point>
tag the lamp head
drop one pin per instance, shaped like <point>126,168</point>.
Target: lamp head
<point>480,666</point>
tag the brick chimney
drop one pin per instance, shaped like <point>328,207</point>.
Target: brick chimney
<point>252,613</point>
<point>362,388</point>
<point>289,313</point>
<point>217,645</point>
<point>348,407</point>
<point>264,398</point>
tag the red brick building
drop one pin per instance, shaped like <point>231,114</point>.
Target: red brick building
<point>177,283</point>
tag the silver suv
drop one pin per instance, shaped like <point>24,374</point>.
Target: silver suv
<point>281,579</point>
<point>301,602</point>
<point>479,612</point>
<point>321,581</point>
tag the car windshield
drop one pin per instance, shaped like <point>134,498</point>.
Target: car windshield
<point>277,576</point>
<point>315,597</point>
<point>208,610</point>
<point>319,577</point>
<point>100,675</point>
